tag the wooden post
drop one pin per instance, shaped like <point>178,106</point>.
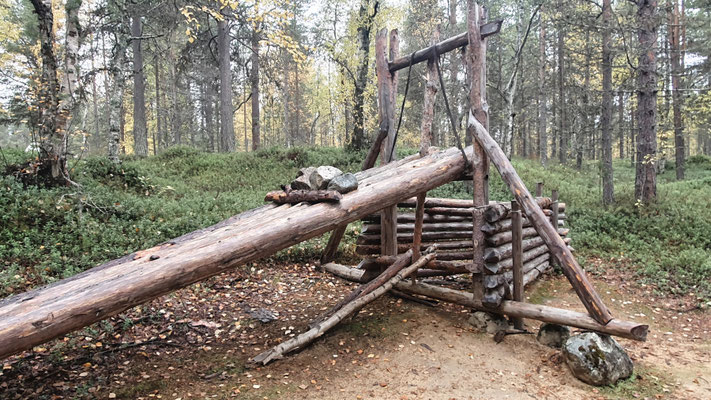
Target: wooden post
<point>539,189</point>
<point>554,207</point>
<point>425,143</point>
<point>517,255</point>
<point>476,67</point>
<point>572,270</point>
<point>387,89</point>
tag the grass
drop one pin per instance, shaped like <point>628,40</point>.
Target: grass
<point>49,234</point>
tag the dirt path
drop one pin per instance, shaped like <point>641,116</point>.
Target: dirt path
<point>194,344</point>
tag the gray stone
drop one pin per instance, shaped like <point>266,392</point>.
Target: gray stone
<point>344,183</point>
<point>597,359</point>
<point>322,176</point>
<point>303,181</point>
<point>553,335</point>
<point>491,323</point>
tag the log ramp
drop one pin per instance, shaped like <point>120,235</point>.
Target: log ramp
<point>34,317</point>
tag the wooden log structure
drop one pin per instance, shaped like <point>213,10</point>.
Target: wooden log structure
<point>572,270</point>
<point>616,327</point>
<point>625,329</point>
<point>34,317</point>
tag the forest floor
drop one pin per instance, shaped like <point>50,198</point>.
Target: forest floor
<point>196,343</point>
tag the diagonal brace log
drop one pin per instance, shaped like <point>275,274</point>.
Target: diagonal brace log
<point>572,270</point>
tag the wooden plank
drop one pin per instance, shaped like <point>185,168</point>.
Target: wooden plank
<point>562,254</point>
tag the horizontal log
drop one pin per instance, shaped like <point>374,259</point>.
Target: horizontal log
<point>491,281</point>
<point>362,276</point>
<point>503,225</point>
<point>375,264</point>
<point>505,265</point>
<point>441,255</point>
<point>427,227</point>
<point>407,237</point>
<point>405,218</point>
<point>503,252</point>
<point>31,318</point>
<point>442,47</point>
<point>499,211</point>
<point>615,327</point>
<point>501,238</point>
<point>365,249</point>
<point>298,196</point>
<point>440,202</point>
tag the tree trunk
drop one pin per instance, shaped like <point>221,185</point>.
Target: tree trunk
<point>584,132</point>
<point>254,80</point>
<point>227,125</point>
<point>608,194</point>
<point>621,122</point>
<point>542,100</point>
<point>365,25</point>
<point>646,177</point>
<point>677,72</point>
<point>52,148</point>
<point>158,139</point>
<point>140,136</point>
<point>562,123</point>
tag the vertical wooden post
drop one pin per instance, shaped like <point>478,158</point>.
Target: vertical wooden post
<point>386,111</point>
<point>517,255</point>
<point>425,143</point>
<point>554,208</point>
<point>476,71</point>
<point>539,189</point>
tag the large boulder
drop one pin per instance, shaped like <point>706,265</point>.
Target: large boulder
<point>322,176</point>
<point>344,183</point>
<point>553,335</point>
<point>597,359</point>
<point>303,179</point>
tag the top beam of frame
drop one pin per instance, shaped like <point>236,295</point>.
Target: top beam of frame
<point>442,47</point>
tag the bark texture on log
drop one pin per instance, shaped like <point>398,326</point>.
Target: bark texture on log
<point>299,196</point>
<point>32,318</point>
<point>572,270</point>
<point>625,329</point>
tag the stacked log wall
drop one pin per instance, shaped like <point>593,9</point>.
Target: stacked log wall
<point>448,223</point>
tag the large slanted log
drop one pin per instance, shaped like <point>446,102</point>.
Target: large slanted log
<point>320,328</point>
<point>562,254</point>
<point>625,329</point>
<point>32,318</point>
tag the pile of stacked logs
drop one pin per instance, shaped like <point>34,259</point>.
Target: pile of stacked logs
<point>448,224</point>
<point>505,236</point>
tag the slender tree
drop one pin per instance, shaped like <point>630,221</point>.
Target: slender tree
<point>608,190</point>
<point>645,173</point>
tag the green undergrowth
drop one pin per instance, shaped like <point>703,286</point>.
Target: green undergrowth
<point>49,234</point>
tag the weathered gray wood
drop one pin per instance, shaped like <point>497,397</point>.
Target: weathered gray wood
<point>371,229</point>
<point>32,318</point>
<point>616,327</point>
<point>442,246</point>
<point>298,196</point>
<point>505,237</point>
<point>406,237</point>
<point>404,218</point>
<point>444,46</point>
<point>572,270</point>
<point>500,211</point>
<point>517,257</point>
<point>539,189</point>
<point>495,254</point>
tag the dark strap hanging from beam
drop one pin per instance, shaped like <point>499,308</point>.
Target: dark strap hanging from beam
<point>449,111</point>
<point>402,108</point>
